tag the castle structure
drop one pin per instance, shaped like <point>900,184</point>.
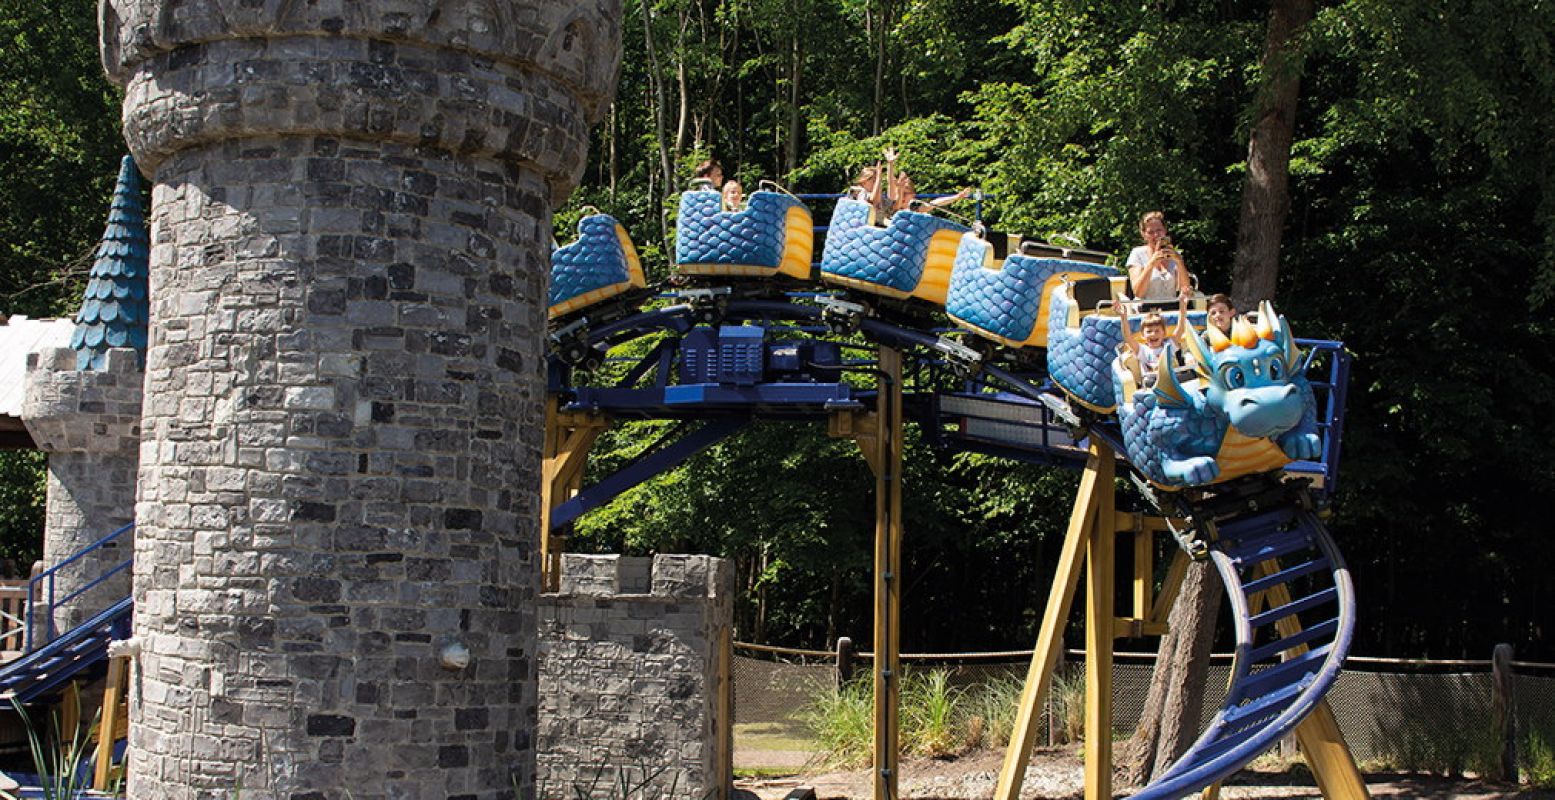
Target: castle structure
<point>82,406</point>
<point>335,557</point>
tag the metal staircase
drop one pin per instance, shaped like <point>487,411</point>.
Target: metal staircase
<point>52,658</point>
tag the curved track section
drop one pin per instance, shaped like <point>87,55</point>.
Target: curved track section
<point>1294,611</point>
<point>1293,608</point>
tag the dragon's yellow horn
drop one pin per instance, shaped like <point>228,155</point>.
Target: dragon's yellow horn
<point>1217,340</point>
<point>1266,320</point>
<point>1243,335</point>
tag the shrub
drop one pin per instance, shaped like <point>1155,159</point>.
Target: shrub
<point>931,722</point>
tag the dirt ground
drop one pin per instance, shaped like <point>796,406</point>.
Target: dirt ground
<point>1056,774</point>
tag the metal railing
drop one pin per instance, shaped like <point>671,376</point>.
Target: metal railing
<point>42,586</point>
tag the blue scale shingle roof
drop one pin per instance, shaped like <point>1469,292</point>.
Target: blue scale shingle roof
<point>114,308</point>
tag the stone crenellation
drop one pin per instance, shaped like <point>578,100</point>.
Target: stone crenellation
<point>89,424</point>
<point>515,82</point>
<point>66,410</point>
<point>633,677</point>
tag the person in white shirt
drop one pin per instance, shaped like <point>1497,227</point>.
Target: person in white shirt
<point>1156,272</point>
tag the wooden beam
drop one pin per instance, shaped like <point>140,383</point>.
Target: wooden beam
<point>569,435</point>
<point>1094,482</point>
<point>107,730</point>
<point>1101,577</point>
<point>14,435</point>
<point>887,466</point>
<point>1144,573</point>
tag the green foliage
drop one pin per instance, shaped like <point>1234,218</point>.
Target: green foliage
<point>1442,750</point>
<point>938,718</point>
<point>23,480</point>
<point>932,716</point>
<point>843,720</point>
<point>61,758</point>
<point>59,144</point>
<point>1422,233</point>
<point>990,709</point>
<point>1538,759</point>
<point>1068,704</point>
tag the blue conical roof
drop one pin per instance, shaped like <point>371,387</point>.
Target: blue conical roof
<point>114,309</point>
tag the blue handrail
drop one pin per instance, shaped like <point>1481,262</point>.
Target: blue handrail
<point>49,575</point>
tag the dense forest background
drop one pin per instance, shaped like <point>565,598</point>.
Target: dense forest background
<point>1421,232</point>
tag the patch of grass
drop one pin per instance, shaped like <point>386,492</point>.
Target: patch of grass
<point>932,723</point>
<point>63,766</point>
<point>759,773</point>
<point>1068,706</point>
<point>842,720</point>
<point>989,711</point>
<point>938,718</point>
<point>791,736</point>
<point>1538,759</point>
<point>1443,750</point>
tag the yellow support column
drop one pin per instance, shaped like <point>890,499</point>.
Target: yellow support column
<point>1099,631</point>
<point>568,438</point>
<point>1095,482</point>
<point>887,464</point>
<point>1334,769</point>
<point>112,719</point>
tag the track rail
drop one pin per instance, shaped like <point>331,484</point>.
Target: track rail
<point>1293,606</point>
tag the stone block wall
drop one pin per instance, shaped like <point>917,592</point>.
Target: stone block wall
<point>634,677</point>
<point>89,424</point>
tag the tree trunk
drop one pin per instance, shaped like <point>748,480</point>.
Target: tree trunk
<point>1175,702</point>
<point>1265,192</point>
<point>684,117</point>
<point>882,24</point>
<point>615,164</point>
<point>795,70</point>
<point>659,134</point>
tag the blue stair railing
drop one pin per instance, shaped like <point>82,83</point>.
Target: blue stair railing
<point>42,587</point>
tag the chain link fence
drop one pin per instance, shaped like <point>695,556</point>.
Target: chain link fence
<point>1401,714</point>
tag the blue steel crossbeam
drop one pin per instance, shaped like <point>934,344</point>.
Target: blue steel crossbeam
<point>645,468</point>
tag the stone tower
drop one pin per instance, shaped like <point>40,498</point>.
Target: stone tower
<point>82,407</point>
<point>335,568</point>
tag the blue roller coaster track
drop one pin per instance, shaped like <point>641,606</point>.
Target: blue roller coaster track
<point>1293,606</point>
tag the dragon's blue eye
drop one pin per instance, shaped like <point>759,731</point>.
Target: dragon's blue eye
<point>1276,369</point>
<point>1234,376</point>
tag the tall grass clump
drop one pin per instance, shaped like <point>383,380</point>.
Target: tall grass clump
<point>1538,759</point>
<point>1442,750</point>
<point>843,719</point>
<point>938,718</point>
<point>1068,704</point>
<point>990,709</point>
<point>932,720</point>
<point>59,763</point>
